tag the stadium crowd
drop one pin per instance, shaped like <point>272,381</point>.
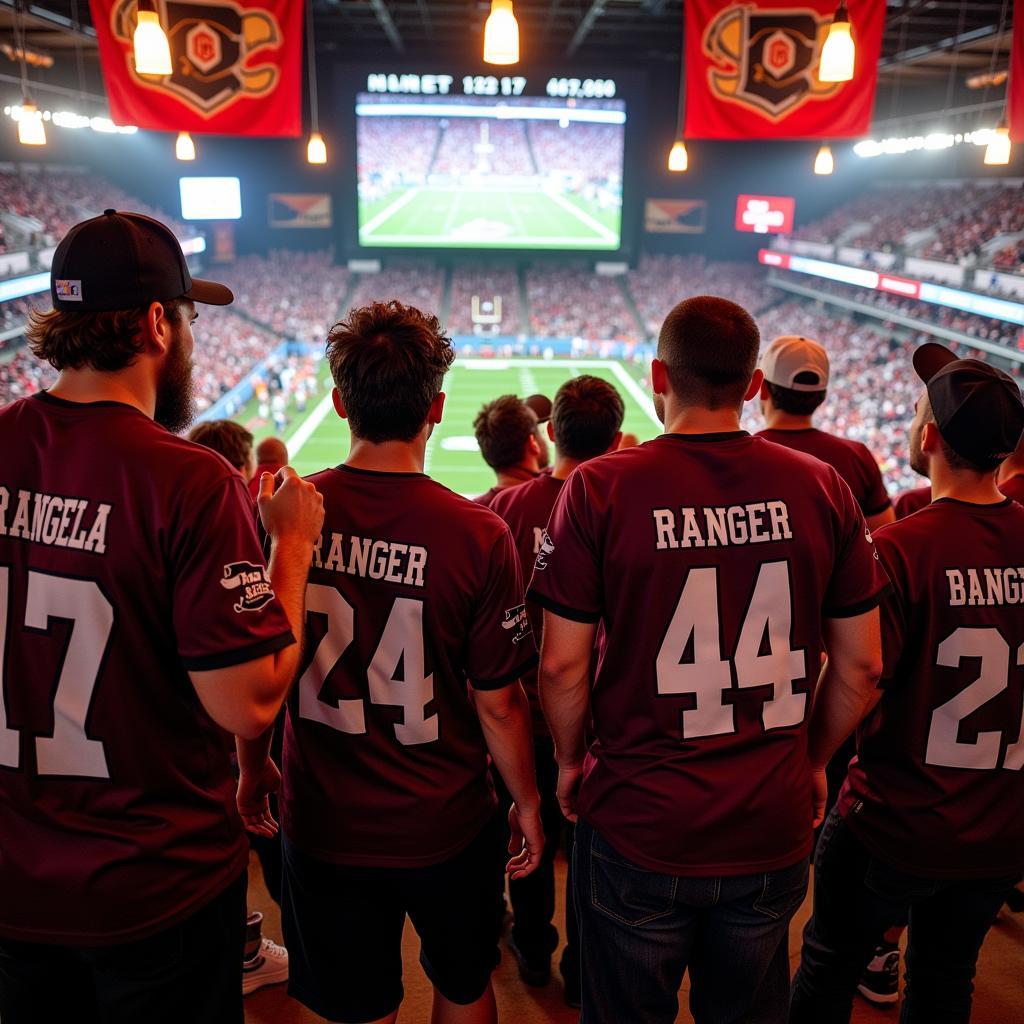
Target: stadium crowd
<point>577,303</point>
<point>487,285</point>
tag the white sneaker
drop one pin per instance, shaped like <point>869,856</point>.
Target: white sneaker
<point>268,967</point>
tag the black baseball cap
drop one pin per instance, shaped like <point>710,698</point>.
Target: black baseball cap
<point>540,406</point>
<point>124,261</point>
<point>978,409</point>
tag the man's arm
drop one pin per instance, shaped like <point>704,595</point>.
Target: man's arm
<point>504,716</point>
<point>847,690</point>
<point>564,682</point>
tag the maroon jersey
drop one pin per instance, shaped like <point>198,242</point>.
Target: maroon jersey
<point>913,501</point>
<point>527,509</point>
<point>414,592</point>
<point>1014,488</point>
<point>128,557</point>
<point>850,459</point>
<point>522,475</point>
<point>264,467</point>
<point>711,560</point>
<point>937,786</point>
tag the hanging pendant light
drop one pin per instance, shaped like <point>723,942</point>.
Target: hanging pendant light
<point>824,162</point>
<point>31,130</point>
<point>839,54</point>
<point>149,43</point>
<point>184,147</point>
<point>316,149</point>
<point>997,152</point>
<point>501,34</point>
<point>678,158</point>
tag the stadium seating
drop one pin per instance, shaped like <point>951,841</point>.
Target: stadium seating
<point>417,285</point>
<point>576,303</point>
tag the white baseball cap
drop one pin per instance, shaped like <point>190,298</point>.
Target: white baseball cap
<point>792,356</point>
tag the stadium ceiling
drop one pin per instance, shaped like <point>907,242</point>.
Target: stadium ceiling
<point>931,47</point>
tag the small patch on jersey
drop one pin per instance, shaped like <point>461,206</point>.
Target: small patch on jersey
<point>547,547</point>
<point>68,290</point>
<point>517,619</point>
<point>253,582</point>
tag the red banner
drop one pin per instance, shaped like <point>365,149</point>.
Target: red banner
<point>752,70</point>
<point>1015,86</point>
<point>237,66</point>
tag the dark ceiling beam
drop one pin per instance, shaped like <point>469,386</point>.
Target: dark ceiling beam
<point>425,15</point>
<point>918,53</point>
<point>51,19</point>
<point>384,17</point>
<point>584,27</point>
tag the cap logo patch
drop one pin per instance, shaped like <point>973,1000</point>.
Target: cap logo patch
<point>67,290</point>
<point>517,621</point>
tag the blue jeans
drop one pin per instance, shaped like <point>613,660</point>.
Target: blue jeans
<point>640,930</point>
<point>856,898</point>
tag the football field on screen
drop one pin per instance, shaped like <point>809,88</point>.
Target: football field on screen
<point>488,218</point>
<point>318,438</point>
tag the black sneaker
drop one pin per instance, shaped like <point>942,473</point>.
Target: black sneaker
<point>573,993</point>
<point>881,981</point>
<point>534,970</point>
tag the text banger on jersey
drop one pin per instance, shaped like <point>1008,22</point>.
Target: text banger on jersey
<point>715,526</point>
<point>54,520</point>
<point>985,587</point>
<point>373,559</point>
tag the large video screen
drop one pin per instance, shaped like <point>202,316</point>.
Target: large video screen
<point>210,198</point>
<point>471,172</point>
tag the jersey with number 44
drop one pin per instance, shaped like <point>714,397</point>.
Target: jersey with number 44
<point>711,560</point>
<point>414,597</point>
<point>938,783</point>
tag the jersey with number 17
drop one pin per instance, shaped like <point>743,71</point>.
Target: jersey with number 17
<point>415,596</point>
<point>938,782</point>
<point>712,560</point>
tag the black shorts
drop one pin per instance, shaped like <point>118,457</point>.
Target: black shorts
<point>191,972</point>
<point>343,929</point>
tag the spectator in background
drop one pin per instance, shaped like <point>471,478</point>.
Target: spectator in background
<point>271,455</point>
<point>506,430</point>
<point>231,440</point>
<point>541,406</point>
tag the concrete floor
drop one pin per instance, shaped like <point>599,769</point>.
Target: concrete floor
<point>999,998</point>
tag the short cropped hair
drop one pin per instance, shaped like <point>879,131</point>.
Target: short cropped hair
<point>227,438</point>
<point>796,403</point>
<point>585,417</point>
<point>502,429</point>
<point>709,348</point>
<point>388,362</point>
<point>106,341</point>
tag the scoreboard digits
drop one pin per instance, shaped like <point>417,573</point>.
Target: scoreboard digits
<point>489,85</point>
<point>582,88</point>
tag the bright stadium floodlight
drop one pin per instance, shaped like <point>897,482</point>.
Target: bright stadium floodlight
<point>678,159</point>
<point>997,152</point>
<point>184,147</point>
<point>839,54</point>
<point>149,42</point>
<point>316,149</point>
<point>31,131</point>
<point>824,162</point>
<point>501,34</point>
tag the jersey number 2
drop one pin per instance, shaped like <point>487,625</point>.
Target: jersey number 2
<point>401,643</point>
<point>69,751</point>
<point>763,657</point>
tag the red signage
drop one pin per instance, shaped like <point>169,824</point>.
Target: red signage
<point>236,66</point>
<point>765,215</point>
<point>771,258</point>
<point>752,70</point>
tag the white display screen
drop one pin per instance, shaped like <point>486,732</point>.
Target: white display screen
<point>211,198</point>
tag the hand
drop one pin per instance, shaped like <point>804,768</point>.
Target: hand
<point>569,778</point>
<point>526,844</point>
<point>819,794</point>
<point>253,799</point>
<point>290,506</point>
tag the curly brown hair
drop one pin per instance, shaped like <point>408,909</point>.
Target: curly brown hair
<point>388,361</point>
<point>107,341</point>
<point>502,429</point>
<point>227,438</point>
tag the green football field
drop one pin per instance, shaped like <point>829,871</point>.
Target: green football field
<point>318,438</point>
<point>487,218</point>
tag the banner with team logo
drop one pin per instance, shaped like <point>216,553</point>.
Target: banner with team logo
<point>236,66</point>
<point>752,70</point>
<point>1015,86</point>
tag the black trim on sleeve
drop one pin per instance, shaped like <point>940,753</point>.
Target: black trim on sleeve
<point>509,678</point>
<point>563,610</point>
<point>878,511</point>
<point>239,656</point>
<point>860,608</point>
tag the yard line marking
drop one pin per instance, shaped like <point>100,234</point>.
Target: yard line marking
<point>375,222</point>
<point>306,429</point>
<point>527,381</point>
<point>595,225</point>
<point>644,401</point>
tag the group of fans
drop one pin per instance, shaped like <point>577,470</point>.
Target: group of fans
<point>716,614</point>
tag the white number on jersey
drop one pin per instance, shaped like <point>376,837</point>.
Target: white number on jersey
<point>69,751</point>
<point>945,748</point>
<point>709,676</point>
<point>400,645</point>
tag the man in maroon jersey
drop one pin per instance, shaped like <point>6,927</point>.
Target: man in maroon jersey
<point>271,455</point>
<point>912,501</point>
<point>929,819</point>
<point>137,620</point>
<point>795,384</point>
<point>585,422</point>
<point>506,431</point>
<point>416,637</point>
<point>721,565</point>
